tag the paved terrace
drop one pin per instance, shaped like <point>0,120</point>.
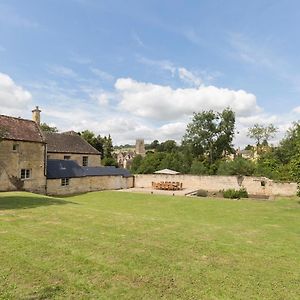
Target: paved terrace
<point>182,192</point>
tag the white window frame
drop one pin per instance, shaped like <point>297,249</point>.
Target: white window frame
<point>25,174</point>
<point>65,181</point>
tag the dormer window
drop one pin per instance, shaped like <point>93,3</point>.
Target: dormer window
<point>85,161</point>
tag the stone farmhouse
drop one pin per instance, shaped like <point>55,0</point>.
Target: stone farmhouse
<point>52,163</point>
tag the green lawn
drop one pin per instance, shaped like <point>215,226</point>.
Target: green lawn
<point>116,245</point>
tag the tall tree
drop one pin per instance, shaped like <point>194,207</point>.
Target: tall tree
<point>261,133</point>
<point>295,169</point>
<point>48,128</point>
<point>256,133</point>
<point>210,134</point>
<point>96,141</point>
<point>89,136</point>
<point>167,146</point>
<point>153,145</point>
<point>107,147</point>
<point>269,132</point>
<point>288,146</point>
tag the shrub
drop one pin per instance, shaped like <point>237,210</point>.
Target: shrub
<point>235,194</point>
<point>243,193</point>
<point>201,193</point>
<point>231,194</point>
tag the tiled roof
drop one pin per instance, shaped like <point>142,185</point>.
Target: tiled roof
<point>68,142</point>
<point>57,168</point>
<point>20,129</point>
<point>106,171</point>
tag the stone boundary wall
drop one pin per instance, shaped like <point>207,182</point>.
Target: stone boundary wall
<point>88,184</point>
<point>260,186</point>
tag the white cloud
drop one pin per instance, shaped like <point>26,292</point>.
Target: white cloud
<point>191,35</point>
<point>101,74</point>
<point>282,122</point>
<point>257,118</point>
<point>297,110</point>
<point>189,77</point>
<point>137,39</point>
<point>171,131</point>
<point>164,103</point>
<point>126,130</point>
<point>103,98</point>
<point>13,98</point>
<point>165,65</point>
<point>138,109</point>
<point>61,71</point>
<point>249,52</point>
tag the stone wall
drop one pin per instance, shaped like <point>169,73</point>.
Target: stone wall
<point>259,186</point>
<point>94,160</point>
<point>88,184</point>
<point>17,155</point>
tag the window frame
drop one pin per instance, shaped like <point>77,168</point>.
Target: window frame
<point>85,161</point>
<point>25,174</point>
<point>65,181</point>
<point>15,147</point>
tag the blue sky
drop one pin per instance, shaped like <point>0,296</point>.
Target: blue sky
<point>139,69</point>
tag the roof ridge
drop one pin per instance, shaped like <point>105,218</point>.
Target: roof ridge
<point>21,129</point>
<point>17,118</point>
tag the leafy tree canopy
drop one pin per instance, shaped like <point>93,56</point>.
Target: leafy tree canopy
<point>288,147</point>
<point>238,166</point>
<point>167,146</point>
<point>261,133</point>
<point>210,134</point>
<point>48,128</point>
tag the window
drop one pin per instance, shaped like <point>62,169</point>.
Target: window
<point>15,147</point>
<point>25,173</point>
<point>67,157</point>
<point>85,160</point>
<point>65,181</point>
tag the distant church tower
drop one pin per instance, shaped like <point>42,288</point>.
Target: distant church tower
<point>140,147</point>
<point>36,115</point>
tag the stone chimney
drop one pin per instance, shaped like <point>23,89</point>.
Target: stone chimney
<point>140,147</point>
<point>36,115</point>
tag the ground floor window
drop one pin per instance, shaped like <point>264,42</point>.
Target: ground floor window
<point>25,173</point>
<point>67,157</point>
<point>65,181</point>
